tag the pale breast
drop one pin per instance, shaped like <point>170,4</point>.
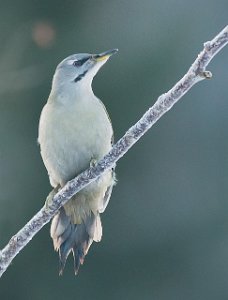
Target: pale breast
<point>70,137</point>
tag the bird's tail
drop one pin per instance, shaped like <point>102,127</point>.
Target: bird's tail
<point>77,238</point>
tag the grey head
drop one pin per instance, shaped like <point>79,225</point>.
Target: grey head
<point>78,70</point>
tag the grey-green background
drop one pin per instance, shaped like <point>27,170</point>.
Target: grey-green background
<point>166,227</point>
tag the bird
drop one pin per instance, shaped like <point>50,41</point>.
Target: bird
<point>75,132</point>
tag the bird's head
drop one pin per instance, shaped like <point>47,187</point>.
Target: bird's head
<point>78,70</point>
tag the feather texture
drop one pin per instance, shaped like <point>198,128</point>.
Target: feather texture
<point>74,131</point>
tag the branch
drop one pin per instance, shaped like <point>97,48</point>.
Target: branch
<point>164,103</point>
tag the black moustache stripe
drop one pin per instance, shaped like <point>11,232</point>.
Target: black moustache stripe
<point>80,76</point>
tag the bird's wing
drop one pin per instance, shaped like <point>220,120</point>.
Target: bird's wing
<point>110,187</point>
<point>112,139</point>
<point>108,193</point>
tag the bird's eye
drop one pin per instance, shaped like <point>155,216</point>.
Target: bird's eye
<point>77,63</point>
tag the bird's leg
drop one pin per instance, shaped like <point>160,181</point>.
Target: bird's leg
<point>93,162</point>
<point>50,197</point>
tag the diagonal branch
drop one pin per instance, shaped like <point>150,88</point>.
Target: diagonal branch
<point>163,104</point>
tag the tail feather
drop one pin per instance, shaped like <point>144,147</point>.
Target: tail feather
<point>94,227</point>
<point>81,246</point>
<point>60,228</point>
<point>76,238</point>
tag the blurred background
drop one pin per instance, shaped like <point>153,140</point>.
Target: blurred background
<point>166,227</point>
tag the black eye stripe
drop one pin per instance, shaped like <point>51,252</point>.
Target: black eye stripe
<point>78,63</point>
<point>84,60</point>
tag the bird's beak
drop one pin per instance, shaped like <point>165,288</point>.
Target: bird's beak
<point>104,55</point>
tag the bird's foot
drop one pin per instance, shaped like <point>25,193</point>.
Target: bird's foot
<point>50,197</point>
<point>93,162</point>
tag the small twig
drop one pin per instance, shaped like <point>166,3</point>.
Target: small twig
<point>164,103</point>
